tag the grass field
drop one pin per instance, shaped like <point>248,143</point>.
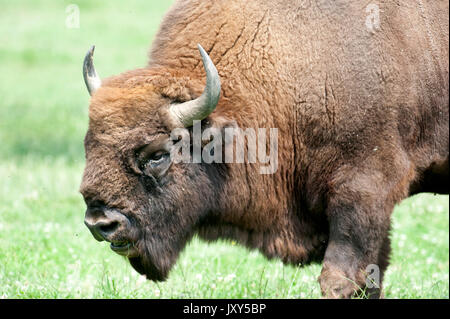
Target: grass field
<point>47,252</point>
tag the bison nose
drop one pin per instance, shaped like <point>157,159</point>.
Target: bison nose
<point>105,223</point>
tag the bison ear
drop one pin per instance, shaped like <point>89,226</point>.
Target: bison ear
<point>91,77</point>
<point>186,113</point>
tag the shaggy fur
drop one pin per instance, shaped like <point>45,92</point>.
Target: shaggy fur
<point>362,118</point>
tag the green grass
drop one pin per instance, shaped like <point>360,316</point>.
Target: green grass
<point>46,250</point>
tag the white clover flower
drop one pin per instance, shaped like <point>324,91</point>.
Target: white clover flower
<point>198,277</point>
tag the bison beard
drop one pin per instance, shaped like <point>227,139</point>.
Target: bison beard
<point>156,257</point>
<point>147,268</point>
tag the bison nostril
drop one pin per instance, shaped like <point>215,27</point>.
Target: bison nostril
<point>104,224</point>
<point>109,228</point>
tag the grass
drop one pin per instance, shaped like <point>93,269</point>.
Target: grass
<point>46,250</point>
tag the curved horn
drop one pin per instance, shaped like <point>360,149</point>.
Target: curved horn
<point>91,77</point>
<point>204,105</point>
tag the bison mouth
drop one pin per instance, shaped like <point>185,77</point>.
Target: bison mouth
<point>126,249</point>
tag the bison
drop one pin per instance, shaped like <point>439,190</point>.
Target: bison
<point>358,91</point>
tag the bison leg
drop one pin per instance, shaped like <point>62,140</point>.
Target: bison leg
<point>358,247</point>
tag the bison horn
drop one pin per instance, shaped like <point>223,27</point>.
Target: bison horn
<point>91,77</point>
<point>204,105</point>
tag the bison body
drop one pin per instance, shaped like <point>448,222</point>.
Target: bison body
<point>360,101</point>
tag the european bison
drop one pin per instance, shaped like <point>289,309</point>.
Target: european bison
<point>358,91</point>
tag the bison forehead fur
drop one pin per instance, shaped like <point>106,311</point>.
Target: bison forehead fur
<point>362,116</point>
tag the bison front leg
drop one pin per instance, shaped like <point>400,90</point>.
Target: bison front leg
<point>358,247</point>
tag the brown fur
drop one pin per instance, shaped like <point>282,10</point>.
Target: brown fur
<point>362,119</point>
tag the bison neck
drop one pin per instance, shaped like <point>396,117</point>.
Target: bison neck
<point>291,239</point>
<point>262,212</point>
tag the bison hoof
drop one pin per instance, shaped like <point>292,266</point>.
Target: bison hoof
<point>334,284</point>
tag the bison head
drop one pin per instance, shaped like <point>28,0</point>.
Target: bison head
<point>137,198</point>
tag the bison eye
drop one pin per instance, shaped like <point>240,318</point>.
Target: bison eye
<point>157,157</point>
<point>153,160</point>
<point>154,164</point>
